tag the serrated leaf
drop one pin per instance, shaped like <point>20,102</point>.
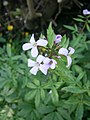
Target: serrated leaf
<point>50,35</point>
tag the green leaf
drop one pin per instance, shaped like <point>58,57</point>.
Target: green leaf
<point>42,94</point>
<point>79,19</point>
<point>37,99</point>
<point>47,85</point>
<point>36,82</point>
<point>80,76</point>
<point>9,50</point>
<point>80,16</point>
<point>24,58</point>
<point>46,109</point>
<point>30,95</point>
<point>74,89</point>
<point>88,27</point>
<point>50,35</point>
<point>16,57</point>
<point>69,27</point>
<point>58,116</point>
<point>79,112</point>
<point>87,102</point>
<point>49,116</point>
<point>31,85</point>
<point>77,68</point>
<point>54,95</point>
<point>64,113</point>
<point>88,21</point>
<point>66,44</point>
<point>87,65</point>
<point>20,71</point>
<point>63,41</point>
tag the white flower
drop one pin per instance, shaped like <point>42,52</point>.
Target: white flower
<point>37,65</point>
<point>86,12</point>
<point>65,52</point>
<point>33,45</point>
<point>49,63</point>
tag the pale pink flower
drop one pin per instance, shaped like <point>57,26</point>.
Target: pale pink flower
<point>58,39</point>
<point>67,53</point>
<point>37,65</point>
<point>49,63</point>
<point>86,12</point>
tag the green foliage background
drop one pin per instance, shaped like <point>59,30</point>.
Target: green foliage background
<point>64,94</point>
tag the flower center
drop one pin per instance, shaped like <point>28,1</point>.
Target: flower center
<point>35,44</point>
<point>37,64</point>
<point>50,62</point>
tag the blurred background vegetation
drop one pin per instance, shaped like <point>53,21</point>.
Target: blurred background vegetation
<point>21,17</point>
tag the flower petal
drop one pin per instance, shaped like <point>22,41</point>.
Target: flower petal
<point>34,52</point>
<point>42,42</point>
<point>40,58</point>
<point>86,12</point>
<point>43,69</point>
<point>63,51</point>
<point>46,60</point>
<point>32,39</point>
<point>31,63</point>
<point>69,61</point>
<point>53,64</point>
<point>27,46</point>
<point>34,70</point>
<point>54,61</point>
<point>72,50</point>
<point>58,39</point>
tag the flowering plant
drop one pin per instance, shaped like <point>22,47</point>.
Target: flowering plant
<point>58,84</point>
<point>45,61</point>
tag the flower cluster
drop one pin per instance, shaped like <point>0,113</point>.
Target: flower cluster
<point>42,62</point>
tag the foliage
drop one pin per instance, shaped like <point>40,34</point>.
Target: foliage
<point>63,94</point>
